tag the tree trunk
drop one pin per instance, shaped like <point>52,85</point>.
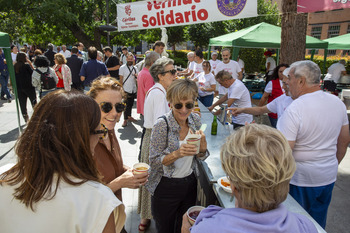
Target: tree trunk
<point>293,36</point>
<point>83,37</point>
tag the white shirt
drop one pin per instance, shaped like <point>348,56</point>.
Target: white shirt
<point>313,121</point>
<point>81,208</point>
<point>214,64</point>
<point>155,106</point>
<point>183,166</point>
<point>279,104</point>
<point>272,64</point>
<point>36,77</point>
<point>129,84</point>
<point>205,80</point>
<point>123,58</point>
<point>191,65</point>
<point>239,92</point>
<point>232,67</point>
<point>241,63</point>
<point>334,72</point>
<point>198,68</point>
<point>13,56</point>
<point>66,53</point>
<point>268,88</point>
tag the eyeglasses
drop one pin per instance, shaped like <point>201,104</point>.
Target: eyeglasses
<point>180,105</point>
<point>173,72</point>
<point>103,131</point>
<point>106,107</point>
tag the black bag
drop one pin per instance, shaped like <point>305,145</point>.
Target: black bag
<point>47,81</point>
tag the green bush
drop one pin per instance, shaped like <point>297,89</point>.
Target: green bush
<point>253,60</point>
<point>319,60</point>
<point>179,57</point>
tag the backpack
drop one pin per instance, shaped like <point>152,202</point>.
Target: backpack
<point>47,81</point>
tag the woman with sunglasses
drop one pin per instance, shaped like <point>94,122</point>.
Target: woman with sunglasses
<point>156,105</point>
<point>206,85</point>
<point>109,94</point>
<point>55,185</point>
<point>172,182</point>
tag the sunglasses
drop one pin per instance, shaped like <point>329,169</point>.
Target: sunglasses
<point>180,105</point>
<point>106,107</point>
<point>173,71</point>
<point>103,131</point>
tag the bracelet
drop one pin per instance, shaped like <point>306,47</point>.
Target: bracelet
<point>202,153</point>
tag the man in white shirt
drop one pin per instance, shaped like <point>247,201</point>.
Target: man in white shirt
<point>128,76</point>
<point>64,51</point>
<point>14,51</point>
<point>335,71</point>
<point>214,61</point>
<point>237,96</point>
<point>230,66</point>
<point>158,47</point>
<point>124,55</point>
<point>198,68</point>
<point>241,64</point>
<point>187,72</point>
<point>278,105</point>
<point>317,129</point>
<point>270,63</point>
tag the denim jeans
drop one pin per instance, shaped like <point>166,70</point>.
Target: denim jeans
<point>4,78</point>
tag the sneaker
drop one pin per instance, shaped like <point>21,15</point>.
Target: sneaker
<point>3,98</point>
<point>9,100</point>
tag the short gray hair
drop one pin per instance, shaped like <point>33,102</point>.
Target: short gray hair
<point>190,54</point>
<point>223,75</point>
<point>151,58</point>
<point>226,49</point>
<point>99,54</point>
<point>158,67</point>
<point>307,69</point>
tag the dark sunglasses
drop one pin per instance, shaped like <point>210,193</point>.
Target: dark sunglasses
<point>103,131</point>
<point>180,105</point>
<point>169,71</point>
<point>106,107</point>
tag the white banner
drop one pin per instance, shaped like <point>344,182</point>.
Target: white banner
<point>169,13</point>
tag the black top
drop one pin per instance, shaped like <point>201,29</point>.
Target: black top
<point>74,63</point>
<point>24,77</point>
<point>111,62</point>
<point>50,55</point>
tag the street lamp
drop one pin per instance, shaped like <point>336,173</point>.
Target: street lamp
<point>108,28</point>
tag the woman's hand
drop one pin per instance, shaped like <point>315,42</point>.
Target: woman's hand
<point>203,146</point>
<point>130,180</point>
<point>185,228</point>
<point>187,150</point>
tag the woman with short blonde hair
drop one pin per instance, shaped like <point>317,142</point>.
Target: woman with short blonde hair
<point>259,164</point>
<point>63,72</point>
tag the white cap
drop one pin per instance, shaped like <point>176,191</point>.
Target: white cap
<point>214,53</point>
<point>286,72</point>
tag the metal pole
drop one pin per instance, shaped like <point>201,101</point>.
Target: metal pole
<point>107,5</point>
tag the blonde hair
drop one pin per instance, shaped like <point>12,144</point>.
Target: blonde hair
<point>181,89</point>
<point>258,161</point>
<point>60,58</point>
<point>104,83</point>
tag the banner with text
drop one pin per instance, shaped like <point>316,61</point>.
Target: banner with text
<point>305,6</point>
<point>169,13</point>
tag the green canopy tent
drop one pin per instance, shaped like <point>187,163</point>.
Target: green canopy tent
<point>262,35</point>
<point>5,45</point>
<point>339,42</point>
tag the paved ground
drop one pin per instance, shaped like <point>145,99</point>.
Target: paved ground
<point>129,138</point>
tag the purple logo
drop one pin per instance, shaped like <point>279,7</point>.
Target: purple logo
<point>231,7</point>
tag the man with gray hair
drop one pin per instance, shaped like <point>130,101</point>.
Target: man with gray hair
<point>334,72</point>
<point>317,128</point>
<point>190,65</point>
<point>64,51</point>
<point>145,81</point>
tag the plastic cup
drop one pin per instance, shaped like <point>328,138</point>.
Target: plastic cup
<point>194,139</point>
<point>140,168</point>
<point>193,212</point>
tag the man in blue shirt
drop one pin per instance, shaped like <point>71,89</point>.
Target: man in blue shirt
<point>92,69</point>
<point>4,78</point>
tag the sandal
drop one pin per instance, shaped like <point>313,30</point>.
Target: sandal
<point>144,227</point>
<point>125,123</point>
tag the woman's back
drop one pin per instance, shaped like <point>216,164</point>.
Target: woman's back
<point>83,208</point>
<point>24,77</point>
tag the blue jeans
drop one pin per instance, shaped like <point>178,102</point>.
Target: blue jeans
<point>273,122</point>
<point>4,78</point>
<point>315,200</point>
<point>207,100</point>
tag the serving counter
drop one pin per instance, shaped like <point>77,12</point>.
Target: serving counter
<point>209,192</point>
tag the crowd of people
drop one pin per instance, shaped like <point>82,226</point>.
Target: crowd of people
<point>61,159</point>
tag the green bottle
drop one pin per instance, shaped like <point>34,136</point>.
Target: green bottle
<point>214,127</point>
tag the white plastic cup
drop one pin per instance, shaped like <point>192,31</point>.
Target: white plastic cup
<point>140,168</point>
<point>191,210</point>
<point>194,139</point>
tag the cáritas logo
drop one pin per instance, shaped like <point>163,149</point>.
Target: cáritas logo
<point>231,7</point>
<point>128,10</point>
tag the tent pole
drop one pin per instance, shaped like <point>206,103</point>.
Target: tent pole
<point>312,54</point>
<point>9,62</point>
<point>209,49</point>
<point>324,62</point>
<point>235,53</point>
<point>278,56</point>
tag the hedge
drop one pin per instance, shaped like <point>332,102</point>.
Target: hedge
<point>319,60</point>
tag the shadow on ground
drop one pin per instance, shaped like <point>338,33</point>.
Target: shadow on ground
<point>129,133</point>
<point>10,135</point>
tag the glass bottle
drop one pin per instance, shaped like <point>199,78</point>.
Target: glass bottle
<point>214,127</point>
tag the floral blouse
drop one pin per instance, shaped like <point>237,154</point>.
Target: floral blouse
<point>165,140</point>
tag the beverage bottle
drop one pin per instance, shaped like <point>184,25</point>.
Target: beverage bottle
<point>214,127</point>
<point>196,106</point>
